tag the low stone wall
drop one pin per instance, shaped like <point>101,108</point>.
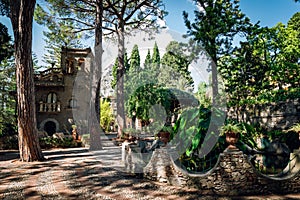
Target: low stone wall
<point>232,175</point>
<point>280,115</point>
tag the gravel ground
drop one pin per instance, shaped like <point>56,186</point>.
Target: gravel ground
<point>80,174</point>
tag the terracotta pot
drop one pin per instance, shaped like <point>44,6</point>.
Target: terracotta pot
<point>164,137</point>
<point>232,138</point>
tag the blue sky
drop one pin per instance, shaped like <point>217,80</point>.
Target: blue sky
<point>268,12</point>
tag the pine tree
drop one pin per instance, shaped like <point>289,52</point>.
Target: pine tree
<point>21,15</point>
<point>59,34</point>
<point>214,28</point>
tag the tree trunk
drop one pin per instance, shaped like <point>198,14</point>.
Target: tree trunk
<point>98,54</point>
<point>21,17</point>
<point>214,75</point>
<point>120,79</point>
<point>95,142</point>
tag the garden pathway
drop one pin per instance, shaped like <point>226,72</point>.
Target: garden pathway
<point>80,174</point>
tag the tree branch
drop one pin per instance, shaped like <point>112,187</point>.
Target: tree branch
<point>115,11</point>
<point>76,20</point>
<point>83,29</point>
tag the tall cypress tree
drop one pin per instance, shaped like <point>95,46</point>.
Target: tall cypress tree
<point>155,57</point>
<point>115,67</point>
<point>177,63</point>
<point>148,60</point>
<point>135,60</point>
<point>114,74</point>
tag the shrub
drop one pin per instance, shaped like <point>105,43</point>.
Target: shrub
<point>50,142</point>
<point>193,124</point>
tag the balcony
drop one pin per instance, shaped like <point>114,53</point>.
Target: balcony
<point>49,107</point>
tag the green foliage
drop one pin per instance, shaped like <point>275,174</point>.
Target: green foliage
<point>264,68</point>
<point>214,28</point>
<point>114,74</point>
<point>178,62</point>
<point>50,142</point>
<point>115,68</point>
<point>6,48</point>
<point>131,132</point>
<point>4,8</point>
<point>143,88</point>
<point>170,78</point>
<point>106,114</point>
<point>249,134</point>
<point>193,125</point>
<point>294,22</point>
<point>155,58</point>
<point>60,34</point>
<point>295,127</point>
<point>72,15</point>
<point>148,60</point>
<point>216,24</point>
<point>201,95</point>
<point>168,129</point>
<point>8,142</point>
<point>144,97</point>
<point>133,71</point>
<point>7,98</point>
<point>275,134</point>
<point>230,128</point>
<point>135,61</point>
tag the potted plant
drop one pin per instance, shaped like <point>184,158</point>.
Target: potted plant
<point>231,131</point>
<point>164,134</point>
<point>130,134</point>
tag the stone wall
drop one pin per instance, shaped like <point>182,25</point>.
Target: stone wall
<point>232,175</point>
<point>280,115</point>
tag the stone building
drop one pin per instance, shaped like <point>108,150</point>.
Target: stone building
<point>55,100</point>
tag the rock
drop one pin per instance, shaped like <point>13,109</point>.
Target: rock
<point>59,135</point>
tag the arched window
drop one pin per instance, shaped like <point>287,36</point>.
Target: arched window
<point>52,98</point>
<point>73,103</point>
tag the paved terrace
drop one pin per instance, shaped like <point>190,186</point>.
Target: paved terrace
<point>80,174</point>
